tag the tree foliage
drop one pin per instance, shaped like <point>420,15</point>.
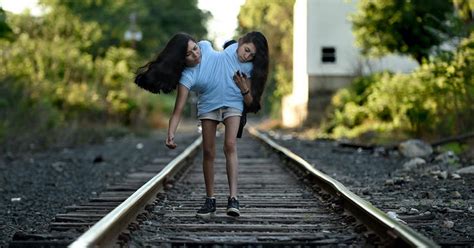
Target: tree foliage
<point>5,30</point>
<point>49,63</point>
<point>275,20</point>
<point>157,21</point>
<point>68,65</point>
<point>465,9</point>
<point>409,27</point>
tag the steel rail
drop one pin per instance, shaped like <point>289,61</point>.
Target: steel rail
<point>365,212</point>
<point>107,229</point>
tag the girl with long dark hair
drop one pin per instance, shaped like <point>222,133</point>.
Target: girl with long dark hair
<point>224,81</point>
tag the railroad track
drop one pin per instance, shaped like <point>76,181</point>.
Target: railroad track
<point>284,202</point>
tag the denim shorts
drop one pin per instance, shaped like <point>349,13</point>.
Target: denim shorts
<point>220,114</point>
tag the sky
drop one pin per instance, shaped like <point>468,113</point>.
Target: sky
<point>18,6</point>
<point>221,27</point>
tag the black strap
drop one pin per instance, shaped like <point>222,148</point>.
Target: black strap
<point>243,121</point>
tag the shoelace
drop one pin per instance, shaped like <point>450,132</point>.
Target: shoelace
<point>209,203</point>
<point>233,201</point>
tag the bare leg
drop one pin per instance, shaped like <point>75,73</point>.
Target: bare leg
<point>209,153</point>
<point>230,151</point>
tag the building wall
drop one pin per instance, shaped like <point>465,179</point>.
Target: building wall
<point>321,89</point>
<point>328,82</point>
<point>329,27</point>
<point>294,106</point>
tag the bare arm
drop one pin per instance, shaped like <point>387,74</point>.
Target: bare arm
<point>181,98</point>
<point>243,82</point>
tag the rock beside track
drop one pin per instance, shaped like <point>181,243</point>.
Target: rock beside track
<point>434,191</point>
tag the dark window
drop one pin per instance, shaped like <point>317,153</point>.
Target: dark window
<point>328,55</point>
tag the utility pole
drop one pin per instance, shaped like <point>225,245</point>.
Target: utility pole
<point>133,33</point>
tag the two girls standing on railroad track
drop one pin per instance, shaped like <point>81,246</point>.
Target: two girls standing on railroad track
<point>224,81</point>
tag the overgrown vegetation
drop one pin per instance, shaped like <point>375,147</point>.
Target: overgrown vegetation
<point>71,69</point>
<point>436,99</point>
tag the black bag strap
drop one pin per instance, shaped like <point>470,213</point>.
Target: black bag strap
<point>243,121</point>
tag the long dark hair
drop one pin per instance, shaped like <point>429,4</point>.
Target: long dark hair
<point>164,72</point>
<point>260,68</point>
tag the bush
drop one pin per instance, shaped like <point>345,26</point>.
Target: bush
<point>436,99</point>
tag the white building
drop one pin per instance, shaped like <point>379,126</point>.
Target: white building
<point>325,58</point>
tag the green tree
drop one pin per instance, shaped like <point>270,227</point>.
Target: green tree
<point>465,8</point>
<point>275,20</point>
<point>49,65</point>
<point>5,30</point>
<point>410,27</point>
<point>49,60</point>
<point>71,65</point>
<point>157,21</point>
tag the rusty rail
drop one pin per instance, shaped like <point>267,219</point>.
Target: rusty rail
<point>105,231</point>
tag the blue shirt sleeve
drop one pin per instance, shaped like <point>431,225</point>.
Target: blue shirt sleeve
<point>205,46</point>
<point>187,78</point>
<point>231,49</point>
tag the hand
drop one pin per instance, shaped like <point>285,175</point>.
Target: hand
<point>241,81</point>
<point>170,142</point>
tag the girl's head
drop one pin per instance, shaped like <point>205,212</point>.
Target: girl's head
<point>193,54</point>
<point>253,47</point>
<point>182,46</point>
<point>246,52</point>
<point>164,72</point>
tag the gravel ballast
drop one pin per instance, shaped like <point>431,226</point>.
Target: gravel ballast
<point>433,191</point>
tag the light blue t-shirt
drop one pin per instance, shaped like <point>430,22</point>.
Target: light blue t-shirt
<point>212,79</point>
